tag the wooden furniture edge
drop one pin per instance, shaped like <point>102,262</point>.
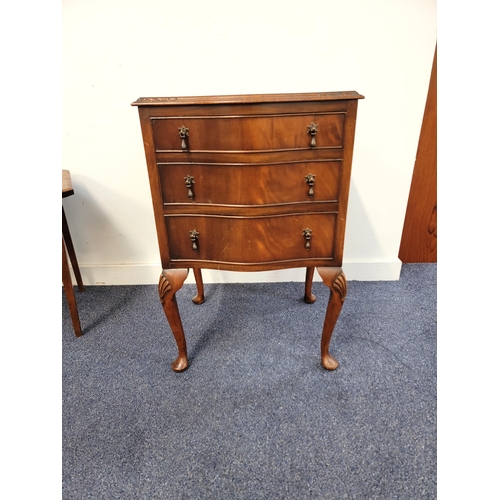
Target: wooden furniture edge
<point>246,98</point>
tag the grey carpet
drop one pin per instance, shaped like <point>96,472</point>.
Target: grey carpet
<point>255,416</point>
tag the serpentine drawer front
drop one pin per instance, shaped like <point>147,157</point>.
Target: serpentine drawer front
<point>250,183</point>
<point>239,240</point>
<point>250,133</point>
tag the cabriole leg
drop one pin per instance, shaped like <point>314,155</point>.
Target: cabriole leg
<point>172,280</point>
<point>200,297</point>
<point>309,297</point>
<point>334,279</point>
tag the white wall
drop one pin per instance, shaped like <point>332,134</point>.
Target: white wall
<point>115,51</point>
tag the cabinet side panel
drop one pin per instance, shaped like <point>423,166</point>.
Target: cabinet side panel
<point>155,185</point>
<point>345,179</point>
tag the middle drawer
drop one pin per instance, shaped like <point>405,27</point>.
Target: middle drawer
<point>250,184</point>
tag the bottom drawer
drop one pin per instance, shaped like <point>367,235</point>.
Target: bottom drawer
<point>245,240</point>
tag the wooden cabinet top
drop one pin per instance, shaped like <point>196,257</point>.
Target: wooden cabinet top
<point>247,98</point>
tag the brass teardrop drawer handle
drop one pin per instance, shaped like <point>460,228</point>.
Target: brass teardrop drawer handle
<point>307,234</point>
<point>193,235</point>
<point>189,181</point>
<point>183,133</point>
<point>310,181</point>
<point>312,130</point>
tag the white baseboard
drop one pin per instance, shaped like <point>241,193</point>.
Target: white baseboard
<point>148,274</point>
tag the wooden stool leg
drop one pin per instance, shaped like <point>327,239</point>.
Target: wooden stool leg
<point>172,280</point>
<point>309,297</point>
<point>334,279</point>
<point>70,293</point>
<point>71,252</point>
<point>200,297</point>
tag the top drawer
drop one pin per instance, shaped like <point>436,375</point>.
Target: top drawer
<point>278,132</point>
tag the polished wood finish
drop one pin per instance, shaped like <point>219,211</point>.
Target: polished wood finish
<point>235,241</point>
<point>250,183</point>
<point>334,279</point>
<point>242,132</point>
<point>253,185</point>
<point>67,246</point>
<point>247,99</point>
<point>172,280</point>
<point>309,297</point>
<point>199,298</point>
<point>419,238</point>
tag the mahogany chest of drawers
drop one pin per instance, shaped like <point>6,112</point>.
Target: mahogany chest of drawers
<point>250,183</point>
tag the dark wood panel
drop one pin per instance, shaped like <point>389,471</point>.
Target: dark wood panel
<point>419,238</point>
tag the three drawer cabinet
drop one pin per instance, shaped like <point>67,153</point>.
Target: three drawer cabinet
<point>250,183</point>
